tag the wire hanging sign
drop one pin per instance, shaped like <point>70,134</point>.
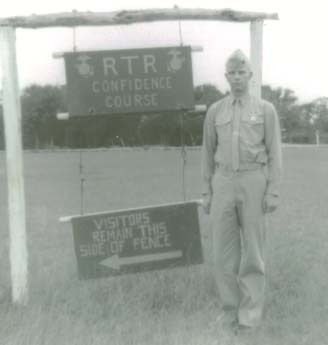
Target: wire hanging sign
<point>129,81</point>
<point>81,166</point>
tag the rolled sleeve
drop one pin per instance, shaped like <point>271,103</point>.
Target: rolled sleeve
<point>273,149</point>
<point>208,150</point>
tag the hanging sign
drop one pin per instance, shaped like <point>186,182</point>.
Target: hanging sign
<point>129,81</point>
<point>136,240</point>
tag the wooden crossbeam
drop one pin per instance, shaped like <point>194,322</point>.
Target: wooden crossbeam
<point>74,18</point>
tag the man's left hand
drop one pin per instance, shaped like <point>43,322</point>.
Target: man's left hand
<point>270,203</point>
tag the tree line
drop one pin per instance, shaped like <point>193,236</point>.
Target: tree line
<point>300,123</point>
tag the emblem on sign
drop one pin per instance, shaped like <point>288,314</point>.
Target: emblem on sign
<point>83,67</point>
<point>176,61</point>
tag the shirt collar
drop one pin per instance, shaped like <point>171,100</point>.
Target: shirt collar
<point>243,99</point>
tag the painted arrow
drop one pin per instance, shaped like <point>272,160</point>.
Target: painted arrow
<point>115,262</point>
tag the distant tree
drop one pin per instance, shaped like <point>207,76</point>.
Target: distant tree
<point>193,129</point>
<point>172,129</point>
<point>40,105</point>
<point>284,100</point>
<point>207,94</point>
<point>160,128</point>
<point>122,129</point>
<point>315,117</point>
<point>318,113</point>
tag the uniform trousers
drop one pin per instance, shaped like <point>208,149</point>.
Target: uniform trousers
<point>239,226</point>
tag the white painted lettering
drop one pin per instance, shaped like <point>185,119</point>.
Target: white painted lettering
<point>168,82</point>
<point>138,100</point>
<point>109,101</point>
<point>146,84</point>
<point>146,218</point>
<point>149,62</point>
<point>98,223</point>
<point>109,65</point>
<point>116,247</point>
<point>127,102</point>
<point>105,86</point>
<point>154,100</point>
<point>114,85</point>
<point>147,100</point>
<point>129,60</point>
<point>123,84</point>
<point>154,83</point>
<point>138,84</point>
<point>93,249</point>
<point>95,87</point>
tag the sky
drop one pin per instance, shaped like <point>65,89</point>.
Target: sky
<point>295,49</point>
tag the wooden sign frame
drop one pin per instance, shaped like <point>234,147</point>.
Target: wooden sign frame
<point>11,100</point>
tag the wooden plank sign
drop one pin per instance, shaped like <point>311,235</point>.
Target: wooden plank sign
<point>135,240</point>
<point>129,81</point>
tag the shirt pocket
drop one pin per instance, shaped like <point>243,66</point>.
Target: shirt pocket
<point>223,128</point>
<point>252,130</point>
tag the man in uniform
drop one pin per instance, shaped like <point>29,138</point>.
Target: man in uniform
<point>241,169</point>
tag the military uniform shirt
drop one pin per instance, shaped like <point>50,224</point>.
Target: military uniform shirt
<point>238,135</point>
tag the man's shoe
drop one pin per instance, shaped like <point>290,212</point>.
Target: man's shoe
<point>243,329</point>
<point>226,318</point>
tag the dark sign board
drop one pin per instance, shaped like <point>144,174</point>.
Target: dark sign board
<point>129,81</point>
<point>136,240</point>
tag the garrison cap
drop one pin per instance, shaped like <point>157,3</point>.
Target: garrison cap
<point>240,58</point>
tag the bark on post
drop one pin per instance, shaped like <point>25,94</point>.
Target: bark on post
<point>14,159</point>
<point>126,17</point>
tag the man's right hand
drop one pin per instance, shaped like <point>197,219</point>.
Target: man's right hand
<point>207,200</point>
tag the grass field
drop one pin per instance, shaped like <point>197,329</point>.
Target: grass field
<point>166,307</point>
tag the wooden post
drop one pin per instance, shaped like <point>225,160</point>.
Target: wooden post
<point>16,200</point>
<point>256,56</point>
<point>317,137</point>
